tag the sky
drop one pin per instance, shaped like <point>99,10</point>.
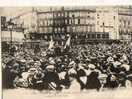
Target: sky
<point>14,11</point>
<point>62,2</point>
<point>24,5</point>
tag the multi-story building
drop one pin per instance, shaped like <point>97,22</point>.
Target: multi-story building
<point>83,23</point>
<point>11,32</point>
<point>115,20</point>
<point>106,21</point>
<point>125,23</point>
<point>60,21</point>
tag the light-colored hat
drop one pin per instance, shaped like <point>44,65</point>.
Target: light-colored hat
<point>91,66</point>
<point>126,66</point>
<point>50,58</point>
<point>50,67</point>
<point>52,62</point>
<point>116,63</point>
<point>72,63</point>
<point>72,71</point>
<point>16,64</point>
<point>23,60</point>
<point>32,70</point>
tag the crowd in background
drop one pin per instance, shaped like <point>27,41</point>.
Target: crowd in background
<point>58,67</point>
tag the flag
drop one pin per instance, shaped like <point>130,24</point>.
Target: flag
<point>51,43</point>
<point>68,42</point>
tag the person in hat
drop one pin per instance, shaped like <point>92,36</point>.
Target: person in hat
<point>74,85</point>
<point>72,64</point>
<point>92,79</point>
<point>125,67</point>
<point>82,75</point>
<point>51,78</point>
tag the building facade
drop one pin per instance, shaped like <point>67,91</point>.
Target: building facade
<point>125,23</point>
<point>115,20</point>
<point>78,22</point>
<point>10,31</point>
<point>85,24</point>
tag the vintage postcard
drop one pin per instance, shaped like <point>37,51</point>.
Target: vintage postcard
<point>60,52</point>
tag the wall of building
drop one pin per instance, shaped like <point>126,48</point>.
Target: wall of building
<point>125,22</point>
<point>107,21</point>
<point>116,22</point>
<point>66,21</point>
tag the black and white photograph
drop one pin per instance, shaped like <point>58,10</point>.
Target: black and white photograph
<point>66,52</point>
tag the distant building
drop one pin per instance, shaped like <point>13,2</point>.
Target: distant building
<point>11,32</point>
<point>66,20</point>
<point>95,23</point>
<point>125,23</point>
<point>85,24</point>
<point>115,20</point>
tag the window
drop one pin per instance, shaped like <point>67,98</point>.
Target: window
<point>98,16</point>
<point>88,36</point>
<point>114,17</point>
<point>71,21</point>
<point>78,21</point>
<point>67,14</point>
<point>98,36</point>
<point>67,21</point>
<point>128,22</point>
<point>93,36</point>
<point>103,35</point>
<point>103,23</point>
<point>73,15</point>
<point>107,35</point>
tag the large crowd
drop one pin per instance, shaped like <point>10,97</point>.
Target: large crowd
<point>92,66</point>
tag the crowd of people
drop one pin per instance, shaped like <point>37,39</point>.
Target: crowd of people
<point>92,66</point>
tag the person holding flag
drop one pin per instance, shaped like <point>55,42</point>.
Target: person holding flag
<point>67,45</point>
